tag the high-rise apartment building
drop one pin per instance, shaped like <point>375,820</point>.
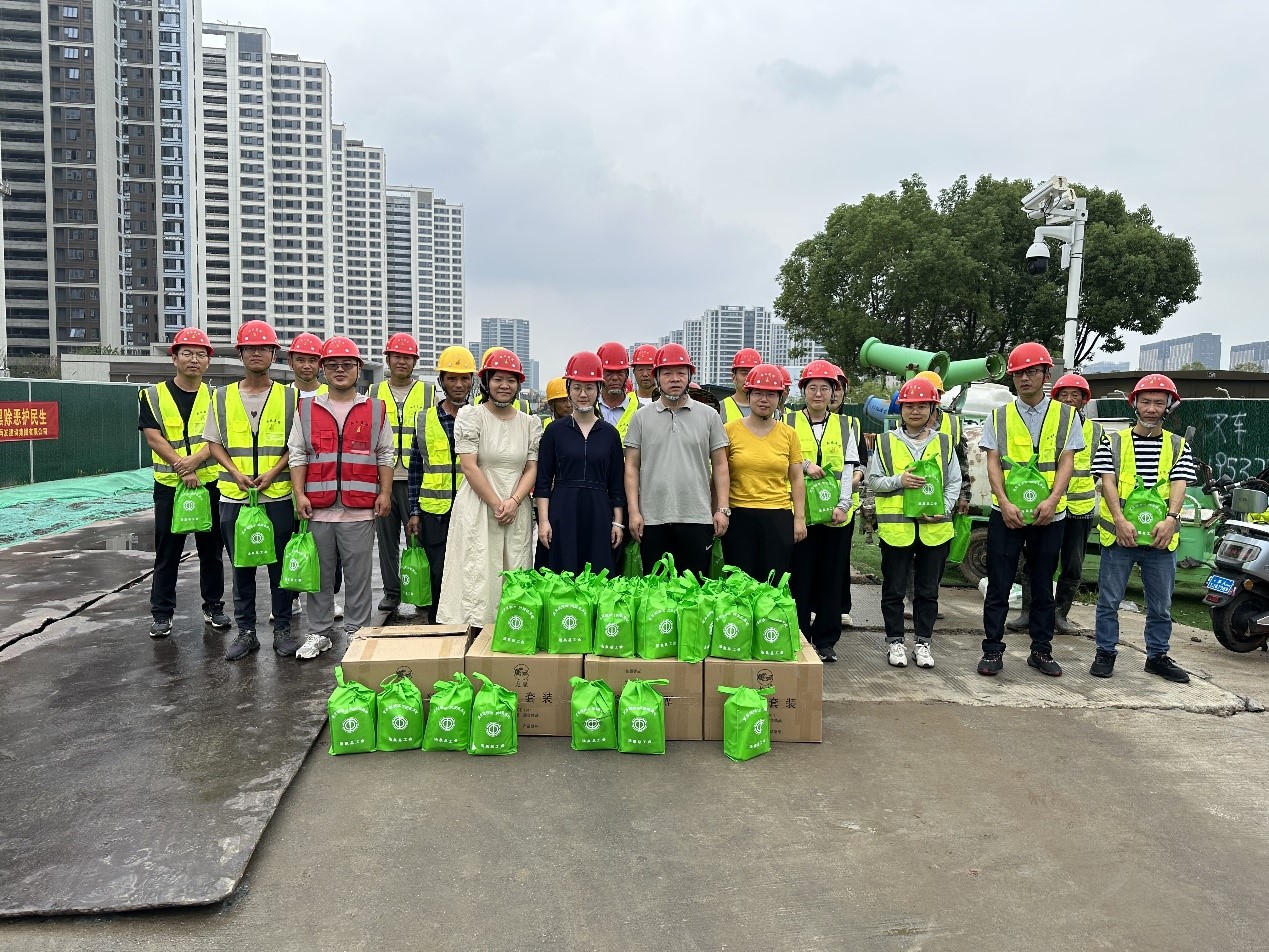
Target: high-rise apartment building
<point>1256,352</point>
<point>513,334</point>
<point>363,248</point>
<point>714,338</point>
<point>425,286</point>
<point>1174,354</point>
<point>1105,367</point>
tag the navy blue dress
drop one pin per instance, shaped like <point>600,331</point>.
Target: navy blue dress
<point>584,480</point>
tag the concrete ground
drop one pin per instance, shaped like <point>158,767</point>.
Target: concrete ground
<point>943,811</point>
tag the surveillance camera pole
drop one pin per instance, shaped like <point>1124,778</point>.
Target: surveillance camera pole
<point>1064,216</point>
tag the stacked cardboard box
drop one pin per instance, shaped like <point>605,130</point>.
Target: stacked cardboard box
<point>425,660</point>
<point>684,698</point>
<point>796,704</point>
<point>540,682</point>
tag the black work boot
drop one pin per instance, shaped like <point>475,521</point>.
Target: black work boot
<point>1063,625</point>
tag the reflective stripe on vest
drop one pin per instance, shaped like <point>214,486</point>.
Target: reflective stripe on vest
<point>441,473</point>
<point>830,452</point>
<point>184,436</point>
<point>256,452</point>
<point>623,423</point>
<point>1054,432</point>
<point>1081,494</point>
<point>1123,456</point>
<point>893,526</point>
<point>342,462</point>
<point>403,416</point>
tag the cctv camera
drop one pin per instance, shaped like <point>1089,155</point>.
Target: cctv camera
<point>1037,258</point>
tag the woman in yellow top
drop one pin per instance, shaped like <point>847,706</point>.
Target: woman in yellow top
<point>767,496</point>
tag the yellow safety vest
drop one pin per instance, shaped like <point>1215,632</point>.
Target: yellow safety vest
<point>893,526</point>
<point>1017,444</point>
<point>1123,456</point>
<point>730,410</point>
<point>950,424</point>
<point>441,473</point>
<point>1081,494</point>
<point>185,437</point>
<point>830,452</point>
<point>321,389</point>
<point>623,424</point>
<point>258,452</point>
<point>404,416</point>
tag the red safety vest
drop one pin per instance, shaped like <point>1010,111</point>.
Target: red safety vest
<point>342,463</point>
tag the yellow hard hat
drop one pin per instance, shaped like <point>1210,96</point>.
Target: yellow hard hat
<point>933,377</point>
<point>556,389</point>
<point>456,360</point>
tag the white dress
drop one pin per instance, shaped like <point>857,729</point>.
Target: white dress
<point>478,550</point>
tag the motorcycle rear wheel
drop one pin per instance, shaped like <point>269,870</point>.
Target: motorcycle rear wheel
<point>1232,623</point>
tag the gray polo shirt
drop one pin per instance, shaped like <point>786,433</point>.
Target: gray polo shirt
<point>674,466</point>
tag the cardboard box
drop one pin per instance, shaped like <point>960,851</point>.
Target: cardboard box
<point>796,706</point>
<point>425,660</point>
<point>684,698</point>
<point>540,682</point>
<point>414,631</point>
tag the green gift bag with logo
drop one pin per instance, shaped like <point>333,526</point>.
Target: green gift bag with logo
<point>925,500</point>
<point>398,714</point>
<point>416,574</point>
<point>775,626</point>
<point>657,621</point>
<point>253,535</point>
<point>962,529</point>
<point>569,615</point>
<point>632,563</point>
<point>301,567</point>
<point>716,560</point>
<point>641,718</point>
<point>746,726</point>
<point>493,719</point>
<point>1025,486</point>
<point>449,715</point>
<point>822,496</point>
<point>519,614</point>
<point>696,620</point>
<point>191,510</point>
<point>733,617</point>
<point>594,714</point>
<point>1145,509</point>
<point>615,607</point>
<point>351,712</point>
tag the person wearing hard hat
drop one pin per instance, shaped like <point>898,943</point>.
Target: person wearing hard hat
<point>644,374</point>
<point>434,471</point>
<point>1030,427</point>
<point>853,423</point>
<point>1081,502</point>
<point>522,403</point>
<point>247,431</point>
<point>1132,533</point>
<point>677,484</point>
<point>171,417</point>
<point>913,550</point>
<point>557,400</point>
<point>950,423</point>
<point>617,404</point>
<point>580,495</point>
<point>405,399</point>
<point>341,496</point>
<point>304,357</point>
<point>736,407</point>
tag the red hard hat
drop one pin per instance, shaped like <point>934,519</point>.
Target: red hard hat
<point>786,377</point>
<point>341,347</point>
<point>1028,355</point>
<point>499,358</point>
<point>644,355</point>
<point>613,356</point>
<point>1159,383</point>
<point>402,344</point>
<point>765,377</point>
<point>918,390</point>
<point>1076,381</point>
<point>673,355</point>
<point>746,359</point>
<point>191,337</point>
<point>818,370</point>
<point>584,367</point>
<point>841,377</point>
<point>256,332</point>
<point>306,344</point>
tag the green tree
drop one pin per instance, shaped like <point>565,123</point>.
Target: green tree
<point>1249,367</point>
<point>949,273</point>
<point>1194,365</point>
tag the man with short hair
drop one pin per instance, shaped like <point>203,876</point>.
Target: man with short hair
<point>645,381</point>
<point>616,405</point>
<point>736,406</point>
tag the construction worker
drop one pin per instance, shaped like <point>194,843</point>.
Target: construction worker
<point>304,357</point>
<point>171,416</point>
<point>556,400</point>
<point>247,431</point>
<point>435,474</point>
<point>1081,501</point>
<point>736,407</point>
<point>405,398</point>
<point>645,380</point>
<point>856,428</point>
<point>913,550</point>
<point>1162,463</point>
<point>787,379</point>
<point>616,404</point>
<point>522,403</point>
<point>1032,425</point>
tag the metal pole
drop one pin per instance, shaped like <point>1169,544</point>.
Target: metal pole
<point>1074,274</point>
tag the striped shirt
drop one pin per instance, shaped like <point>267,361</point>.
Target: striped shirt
<point>1146,450</point>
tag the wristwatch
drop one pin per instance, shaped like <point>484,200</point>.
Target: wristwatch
<point>726,511</point>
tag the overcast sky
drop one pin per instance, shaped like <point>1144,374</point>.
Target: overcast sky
<point>625,166</point>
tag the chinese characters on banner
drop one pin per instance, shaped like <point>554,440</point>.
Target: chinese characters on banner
<point>28,421</point>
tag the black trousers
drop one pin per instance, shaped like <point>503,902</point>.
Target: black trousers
<point>434,534</point>
<point>690,543</point>
<point>817,583</point>
<point>281,513</point>
<point>922,565</point>
<point>169,547</point>
<point>849,532</point>
<point>1042,545</point>
<point>760,541</point>
<point>1074,546</point>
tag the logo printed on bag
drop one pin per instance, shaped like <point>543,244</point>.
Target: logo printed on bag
<point>568,622</point>
<point>350,725</point>
<point>758,725</point>
<point>257,538</point>
<point>1145,518</point>
<point>612,630</point>
<point>294,565</point>
<point>447,724</point>
<point>1030,495</point>
<point>927,489</point>
<point>592,724</point>
<point>771,635</point>
<point>639,724</point>
<point>493,729</point>
<point>731,630</point>
<point>824,494</point>
<point>188,505</point>
<point>515,622</point>
<point>666,627</point>
<point>399,723</point>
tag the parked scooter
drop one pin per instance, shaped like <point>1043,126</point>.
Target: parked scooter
<point>1238,591</point>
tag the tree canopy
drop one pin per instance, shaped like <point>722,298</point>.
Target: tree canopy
<point>950,273</point>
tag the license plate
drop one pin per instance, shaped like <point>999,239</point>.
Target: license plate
<point>1218,583</point>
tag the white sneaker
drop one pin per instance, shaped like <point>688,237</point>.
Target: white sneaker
<point>907,609</point>
<point>847,621</point>
<point>296,608</point>
<point>898,656</point>
<point>315,645</point>
<point>923,657</point>
<point>407,611</point>
<point>339,608</point>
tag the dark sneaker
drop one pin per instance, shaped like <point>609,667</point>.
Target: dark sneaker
<point>243,645</point>
<point>1045,664</point>
<point>285,644</point>
<point>161,628</point>
<point>827,655</point>
<point>991,664</point>
<point>1019,622</point>
<point>1103,664</point>
<point>1165,667</point>
<point>389,604</point>
<point>216,617</point>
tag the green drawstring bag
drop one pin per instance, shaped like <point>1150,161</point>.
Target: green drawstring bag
<point>925,500</point>
<point>746,726</point>
<point>398,714</point>
<point>696,620</point>
<point>657,621</point>
<point>716,558</point>
<point>776,636</point>
<point>191,510</point>
<point>962,529</point>
<point>519,614</point>
<point>615,606</point>
<point>632,564</point>
<point>569,615</point>
<point>1026,486</point>
<point>733,617</point>
<point>1145,509</point>
<point>449,715</point>
<point>594,715</point>
<point>301,566</point>
<point>253,535</point>
<point>822,496</point>
<point>351,712</point>
<point>641,718</point>
<point>416,574</point>
<point>493,719</point>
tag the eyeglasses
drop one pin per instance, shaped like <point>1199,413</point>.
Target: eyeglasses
<point>199,353</point>
<point>340,365</point>
<point>1029,371</point>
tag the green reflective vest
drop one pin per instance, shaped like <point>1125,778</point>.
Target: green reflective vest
<point>1016,443</point>
<point>441,473</point>
<point>893,526</point>
<point>256,452</point>
<point>184,436</point>
<point>1123,455</point>
<point>1081,494</point>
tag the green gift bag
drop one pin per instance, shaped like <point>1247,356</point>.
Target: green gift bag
<point>733,617</point>
<point>569,615</point>
<point>696,621</point>
<point>776,636</point>
<point>519,614</point>
<point>746,726</point>
<point>449,715</point>
<point>822,496</point>
<point>925,500</point>
<point>301,567</point>
<point>716,558</point>
<point>1145,509</point>
<point>632,564</point>
<point>493,719</point>
<point>351,712</point>
<point>615,607</point>
<point>641,718</point>
<point>253,535</point>
<point>416,574</point>
<point>398,714</point>
<point>657,621</point>
<point>191,510</point>
<point>962,529</point>
<point>594,715</point>
<point>1025,486</point>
